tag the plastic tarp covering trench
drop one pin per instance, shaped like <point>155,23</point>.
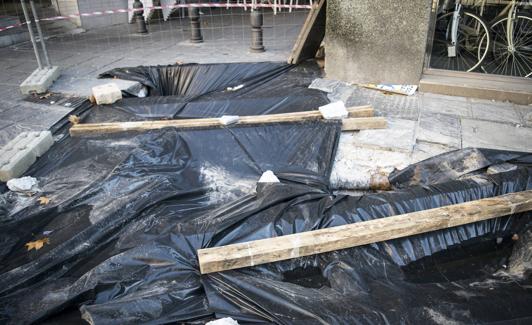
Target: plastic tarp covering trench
<point>129,211</point>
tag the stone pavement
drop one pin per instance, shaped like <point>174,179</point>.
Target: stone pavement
<point>421,126</point>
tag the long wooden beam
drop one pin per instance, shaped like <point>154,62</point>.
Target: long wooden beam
<point>246,254</point>
<point>359,118</point>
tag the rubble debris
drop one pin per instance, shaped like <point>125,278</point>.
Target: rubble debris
<point>106,94</point>
<point>25,185</point>
<point>229,119</point>
<point>334,111</point>
<point>268,177</point>
<point>235,88</point>
<point>223,321</point>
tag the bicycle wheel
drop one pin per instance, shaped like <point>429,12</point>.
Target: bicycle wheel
<point>503,59</point>
<point>473,34</point>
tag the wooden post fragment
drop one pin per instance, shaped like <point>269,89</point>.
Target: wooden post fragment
<point>269,250</point>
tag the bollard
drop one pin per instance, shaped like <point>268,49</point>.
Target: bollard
<point>195,31</point>
<point>256,19</point>
<point>139,17</point>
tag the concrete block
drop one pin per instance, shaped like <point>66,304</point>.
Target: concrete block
<point>20,153</point>
<point>106,94</point>
<point>40,80</point>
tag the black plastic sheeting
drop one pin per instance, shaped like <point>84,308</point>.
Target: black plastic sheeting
<point>129,211</point>
<point>196,91</point>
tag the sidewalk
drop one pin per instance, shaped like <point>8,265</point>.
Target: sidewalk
<point>420,126</point>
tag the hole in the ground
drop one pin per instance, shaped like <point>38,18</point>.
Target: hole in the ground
<point>308,277</point>
<point>472,259</point>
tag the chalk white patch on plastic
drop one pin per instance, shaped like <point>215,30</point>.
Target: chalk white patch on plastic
<point>354,165</point>
<point>229,119</point>
<point>223,321</point>
<point>223,185</point>
<point>268,177</point>
<point>334,111</point>
<point>235,88</point>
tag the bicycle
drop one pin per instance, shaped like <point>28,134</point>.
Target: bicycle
<point>511,49</point>
<point>461,39</point>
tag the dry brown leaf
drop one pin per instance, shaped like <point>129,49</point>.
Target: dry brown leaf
<point>38,244</point>
<point>43,200</point>
<point>74,119</point>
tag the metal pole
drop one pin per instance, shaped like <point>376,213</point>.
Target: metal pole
<point>256,19</point>
<point>30,30</point>
<point>41,37</point>
<point>139,17</point>
<point>195,25</point>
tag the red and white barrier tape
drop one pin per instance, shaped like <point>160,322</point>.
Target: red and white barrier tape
<point>175,6</point>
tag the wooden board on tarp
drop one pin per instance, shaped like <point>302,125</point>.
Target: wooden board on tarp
<point>309,40</point>
<point>223,258</point>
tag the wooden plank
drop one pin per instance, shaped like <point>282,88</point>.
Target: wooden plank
<point>257,252</point>
<point>115,127</point>
<point>363,123</point>
<point>311,35</point>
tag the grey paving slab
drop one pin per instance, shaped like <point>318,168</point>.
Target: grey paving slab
<point>445,105</point>
<point>399,106</point>
<point>399,136</point>
<point>486,134</point>
<point>495,111</point>
<point>439,128</point>
<point>525,112</point>
<point>425,150</point>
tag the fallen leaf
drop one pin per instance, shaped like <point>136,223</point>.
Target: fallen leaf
<point>73,119</point>
<point>38,244</point>
<point>43,200</point>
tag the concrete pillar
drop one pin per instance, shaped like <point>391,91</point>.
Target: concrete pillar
<point>370,41</point>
